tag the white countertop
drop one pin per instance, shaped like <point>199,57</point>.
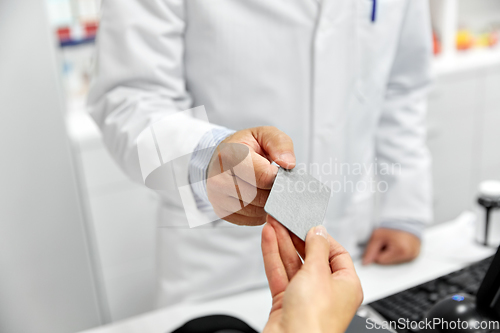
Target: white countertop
<point>447,247</point>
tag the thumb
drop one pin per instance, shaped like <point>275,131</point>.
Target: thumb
<point>317,247</point>
<point>277,145</point>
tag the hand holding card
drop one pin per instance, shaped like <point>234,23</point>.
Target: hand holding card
<point>240,173</point>
<point>320,295</point>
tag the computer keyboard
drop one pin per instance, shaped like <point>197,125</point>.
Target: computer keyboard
<point>413,303</point>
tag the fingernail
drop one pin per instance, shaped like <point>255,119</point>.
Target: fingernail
<point>287,158</point>
<point>321,231</point>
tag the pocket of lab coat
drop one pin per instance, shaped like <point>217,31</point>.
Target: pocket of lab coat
<point>377,42</point>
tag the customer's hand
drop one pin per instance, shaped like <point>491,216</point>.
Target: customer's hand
<point>243,204</point>
<point>321,295</point>
<point>389,246</point>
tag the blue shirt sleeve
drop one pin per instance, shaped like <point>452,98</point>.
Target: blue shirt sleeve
<point>198,164</point>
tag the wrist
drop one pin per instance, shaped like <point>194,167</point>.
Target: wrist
<point>200,160</point>
<point>316,322</point>
<point>413,227</point>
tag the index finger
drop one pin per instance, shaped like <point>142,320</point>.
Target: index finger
<point>287,250</point>
<point>275,269</point>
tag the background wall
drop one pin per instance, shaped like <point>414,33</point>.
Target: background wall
<point>49,281</point>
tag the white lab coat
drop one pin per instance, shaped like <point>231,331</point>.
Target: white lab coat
<point>347,90</point>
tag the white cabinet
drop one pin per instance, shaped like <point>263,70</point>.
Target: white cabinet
<point>463,137</point>
<point>123,216</point>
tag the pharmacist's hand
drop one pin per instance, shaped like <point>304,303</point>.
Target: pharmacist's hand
<point>321,295</point>
<point>240,174</point>
<point>390,246</point>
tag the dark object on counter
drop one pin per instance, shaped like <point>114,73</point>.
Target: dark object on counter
<point>480,280</point>
<point>453,310</point>
<point>489,204</point>
<point>215,324</point>
<point>228,324</point>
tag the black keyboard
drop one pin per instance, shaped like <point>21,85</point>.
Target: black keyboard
<point>413,303</point>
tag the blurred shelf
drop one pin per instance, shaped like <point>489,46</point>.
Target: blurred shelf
<point>72,42</point>
<point>474,16</point>
<point>466,60</point>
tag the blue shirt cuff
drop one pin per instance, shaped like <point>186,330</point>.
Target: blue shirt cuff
<point>199,161</point>
<point>412,226</point>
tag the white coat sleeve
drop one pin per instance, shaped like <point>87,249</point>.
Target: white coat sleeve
<point>401,135</point>
<point>139,80</point>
